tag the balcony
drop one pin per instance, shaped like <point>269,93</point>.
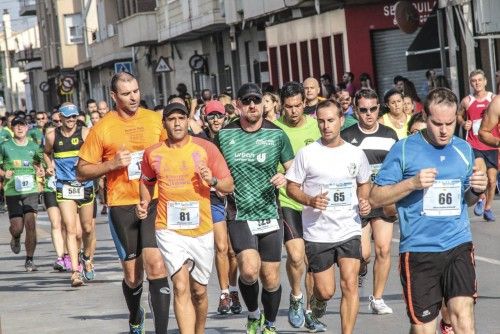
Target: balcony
<point>108,51</point>
<point>27,55</point>
<point>181,21</point>
<point>27,7</point>
<point>138,29</point>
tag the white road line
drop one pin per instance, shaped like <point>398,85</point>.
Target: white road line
<point>478,258</point>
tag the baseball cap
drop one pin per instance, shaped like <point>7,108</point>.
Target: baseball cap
<point>214,106</point>
<point>249,89</point>
<point>69,110</point>
<point>18,120</point>
<point>175,107</point>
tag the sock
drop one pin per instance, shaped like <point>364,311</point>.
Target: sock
<point>133,299</point>
<point>271,302</point>
<point>233,288</point>
<point>224,291</point>
<point>254,314</point>
<point>28,258</point>
<point>308,311</point>
<point>250,294</point>
<point>299,297</point>
<point>159,302</point>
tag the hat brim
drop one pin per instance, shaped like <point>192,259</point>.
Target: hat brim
<point>252,94</point>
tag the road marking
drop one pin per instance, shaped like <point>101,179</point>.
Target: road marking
<point>478,258</point>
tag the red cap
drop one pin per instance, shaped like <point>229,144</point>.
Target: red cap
<point>214,106</point>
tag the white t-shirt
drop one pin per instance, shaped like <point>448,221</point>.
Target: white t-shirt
<point>336,170</point>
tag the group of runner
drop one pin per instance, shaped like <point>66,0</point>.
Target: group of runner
<point>237,190</point>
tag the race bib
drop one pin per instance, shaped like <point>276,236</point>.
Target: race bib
<point>476,124</point>
<point>134,169</point>
<point>263,226</point>
<point>183,215</point>
<point>339,195</point>
<point>72,192</point>
<point>443,198</point>
<point>24,182</point>
<point>375,168</point>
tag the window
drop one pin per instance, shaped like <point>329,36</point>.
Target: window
<point>74,29</point>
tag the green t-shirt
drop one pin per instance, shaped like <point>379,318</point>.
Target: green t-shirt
<point>20,160</point>
<point>349,120</point>
<point>36,135</point>
<point>5,135</point>
<point>299,137</point>
<point>253,158</point>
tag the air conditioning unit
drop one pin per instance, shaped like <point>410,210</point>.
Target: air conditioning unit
<point>487,16</point>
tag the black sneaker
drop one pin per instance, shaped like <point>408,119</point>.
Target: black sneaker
<point>15,245</point>
<point>30,266</point>
<point>235,302</point>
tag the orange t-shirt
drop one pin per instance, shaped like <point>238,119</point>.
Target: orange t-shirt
<point>183,198</point>
<point>113,133</point>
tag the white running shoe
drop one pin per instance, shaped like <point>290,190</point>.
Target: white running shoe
<point>378,306</point>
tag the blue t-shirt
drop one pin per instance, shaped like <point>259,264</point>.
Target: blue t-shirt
<point>421,230</point>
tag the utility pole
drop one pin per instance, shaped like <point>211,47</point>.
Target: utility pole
<point>9,103</point>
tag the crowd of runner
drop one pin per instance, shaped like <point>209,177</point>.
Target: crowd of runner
<point>235,180</point>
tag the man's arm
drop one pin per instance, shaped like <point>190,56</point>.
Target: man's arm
<point>319,201</point>
<point>89,171</point>
<point>490,120</point>
<point>461,119</point>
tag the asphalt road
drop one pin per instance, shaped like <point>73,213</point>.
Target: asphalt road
<point>44,302</point>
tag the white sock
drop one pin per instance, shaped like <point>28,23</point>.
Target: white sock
<point>224,291</point>
<point>254,315</point>
<point>233,288</point>
<point>296,297</point>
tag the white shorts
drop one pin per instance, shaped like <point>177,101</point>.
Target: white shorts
<point>177,249</point>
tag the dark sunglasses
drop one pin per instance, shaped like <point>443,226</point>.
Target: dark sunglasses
<point>40,119</point>
<point>56,121</point>
<point>248,100</point>
<point>365,110</point>
<point>211,117</point>
<point>72,117</point>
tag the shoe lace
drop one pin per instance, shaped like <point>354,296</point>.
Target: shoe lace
<point>295,303</point>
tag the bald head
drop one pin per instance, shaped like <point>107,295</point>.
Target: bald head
<point>102,108</point>
<point>312,90</point>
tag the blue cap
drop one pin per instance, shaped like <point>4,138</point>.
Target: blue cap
<point>69,110</point>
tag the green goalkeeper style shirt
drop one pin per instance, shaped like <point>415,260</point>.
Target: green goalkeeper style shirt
<point>21,160</point>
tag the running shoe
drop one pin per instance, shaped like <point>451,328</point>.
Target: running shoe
<point>88,268</point>
<point>224,304</point>
<point>445,328</point>
<point>59,264</point>
<point>235,302</point>
<point>378,306</point>
<point>15,245</point>
<point>269,330</point>
<point>254,326</point>
<point>479,208</point>
<point>139,328</point>
<point>488,215</point>
<point>67,262</point>
<point>30,266</point>
<point>76,279</point>
<point>104,210</point>
<point>363,270</point>
<point>318,307</point>
<point>296,312</point>
<point>313,325</point>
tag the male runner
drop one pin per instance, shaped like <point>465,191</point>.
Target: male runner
<point>375,140</point>
<point>36,133</point>
<point>331,178</point>
<point>432,179</point>
<point>114,147</point>
<point>185,168</point>
<point>253,147</point>
<point>301,131</point>
<point>312,98</point>
<point>488,132</point>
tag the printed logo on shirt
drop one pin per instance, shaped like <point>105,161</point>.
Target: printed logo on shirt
<point>26,163</point>
<point>261,157</point>
<point>232,142</point>
<point>426,313</point>
<point>353,169</point>
<point>442,158</point>
<point>308,141</point>
<point>17,163</point>
<point>354,141</point>
<point>75,141</point>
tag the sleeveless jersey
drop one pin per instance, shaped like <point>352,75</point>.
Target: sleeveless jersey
<point>475,113</point>
<point>403,132</point>
<point>253,158</point>
<point>66,156</point>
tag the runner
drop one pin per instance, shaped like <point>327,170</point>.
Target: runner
<point>114,147</point>
<point>36,133</point>
<point>432,191</point>
<point>327,177</point>
<point>75,199</point>
<point>185,169</point>
<point>301,131</point>
<point>395,118</point>
<point>253,147</point>
<point>225,259</point>
<point>470,116</point>
<point>375,140</point>
<point>20,162</point>
<point>312,98</point>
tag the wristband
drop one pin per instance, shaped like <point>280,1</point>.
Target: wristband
<point>476,193</point>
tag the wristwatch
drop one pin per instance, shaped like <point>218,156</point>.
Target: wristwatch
<point>214,182</point>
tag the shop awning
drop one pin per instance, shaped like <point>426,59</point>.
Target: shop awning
<point>423,52</point>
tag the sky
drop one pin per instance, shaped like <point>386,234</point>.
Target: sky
<point>18,23</point>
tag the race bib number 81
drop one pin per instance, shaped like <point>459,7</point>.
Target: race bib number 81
<point>183,215</point>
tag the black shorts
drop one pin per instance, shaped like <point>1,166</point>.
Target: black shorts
<point>88,197</point>
<point>130,234</point>
<point>490,157</point>
<point>19,205</point>
<point>49,199</point>
<point>322,255</point>
<point>268,245</point>
<point>427,278</point>
<point>292,224</point>
<point>377,213</point>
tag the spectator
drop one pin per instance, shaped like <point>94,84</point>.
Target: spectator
<point>416,123</point>
<point>410,90</point>
<point>396,119</point>
<point>430,84</point>
<point>365,80</point>
<point>408,105</point>
<point>441,81</point>
<point>399,82</point>
<point>348,79</point>
<point>272,107</point>
<point>326,85</point>
<point>102,108</point>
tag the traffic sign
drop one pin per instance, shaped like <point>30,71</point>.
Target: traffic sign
<point>163,66</point>
<point>67,83</point>
<point>44,86</point>
<point>124,66</point>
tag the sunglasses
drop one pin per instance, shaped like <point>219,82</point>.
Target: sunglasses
<point>72,116</point>
<point>40,119</point>
<point>211,117</point>
<point>248,100</point>
<point>365,110</point>
<point>56,121</point>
